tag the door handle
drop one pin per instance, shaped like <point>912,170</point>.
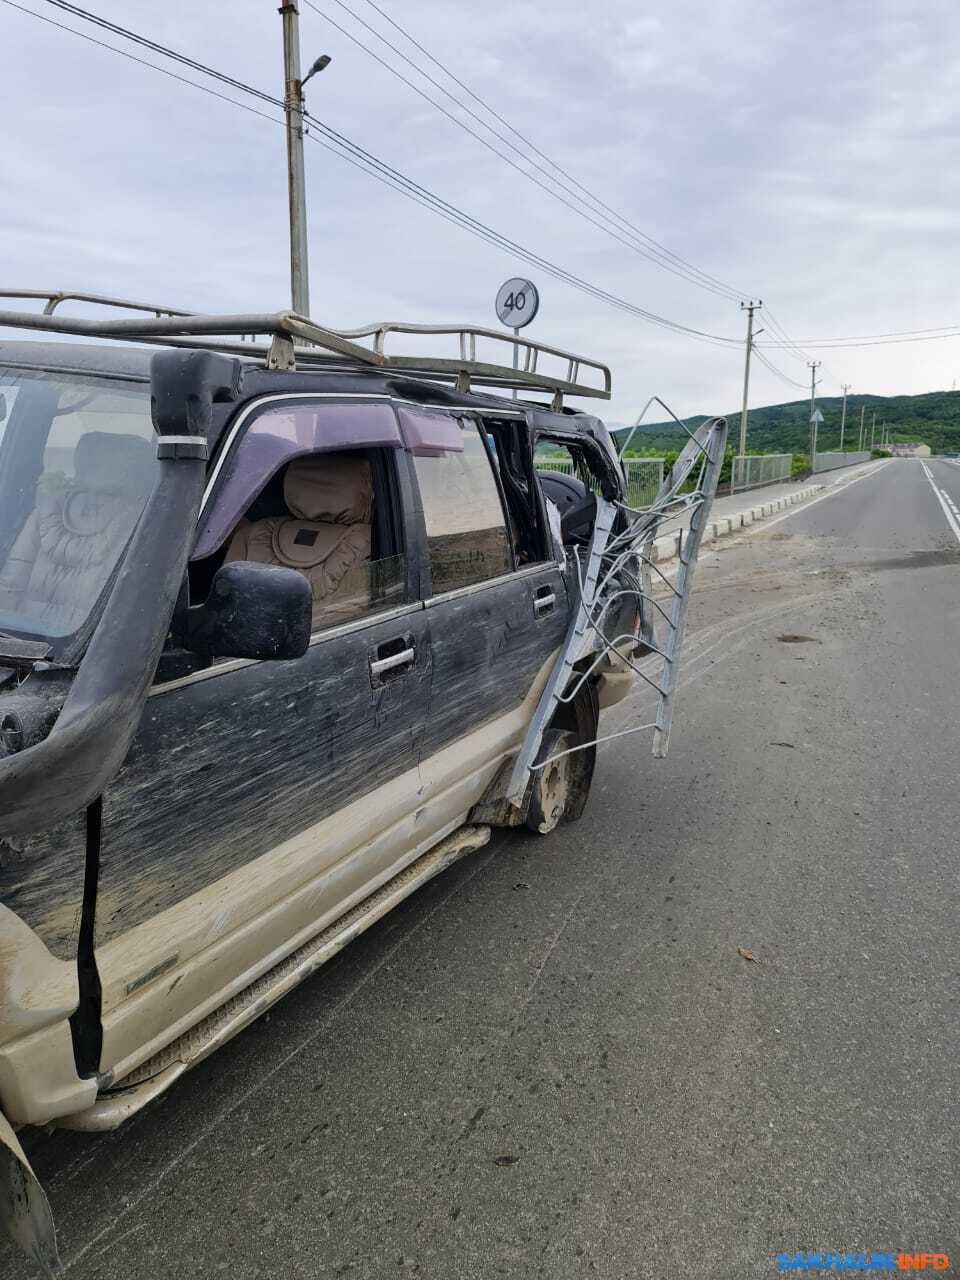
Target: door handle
<point>393,655</point>
<point>544,600</point>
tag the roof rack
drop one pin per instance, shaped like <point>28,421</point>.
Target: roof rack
<point>296,340</point>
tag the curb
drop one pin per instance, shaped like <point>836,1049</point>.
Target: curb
<point>669,548</point>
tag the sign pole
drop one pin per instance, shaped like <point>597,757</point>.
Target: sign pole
<point>814,414</point>
<point>517,303</point>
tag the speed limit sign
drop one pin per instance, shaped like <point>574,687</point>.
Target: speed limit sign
<point>517,302</point>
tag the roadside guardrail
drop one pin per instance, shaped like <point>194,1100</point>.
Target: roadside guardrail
<point>751,469</point>
<point>830,461</point>
<point>644,476</point>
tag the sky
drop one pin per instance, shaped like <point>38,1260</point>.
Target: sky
<point>803,154</point>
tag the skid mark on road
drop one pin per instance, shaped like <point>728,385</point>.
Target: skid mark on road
<point>946,502</point>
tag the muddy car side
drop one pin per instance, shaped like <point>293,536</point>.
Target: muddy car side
<point>265,755</point>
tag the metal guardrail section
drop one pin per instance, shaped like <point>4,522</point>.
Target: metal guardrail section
<point>619,567</point>
<point>830,461</point>
<point>644,476</point>
<point>295,339</point>
<point>751,469</point>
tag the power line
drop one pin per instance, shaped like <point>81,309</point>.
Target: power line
<point>650,249</point>
<point>360,158</point>
<point>733,293</point>
<point>686,270</point>
<point>117,30</point>
<point>778,331</point>
<point>778,372</point>
<point>602,224</point>
<point>878,339</point>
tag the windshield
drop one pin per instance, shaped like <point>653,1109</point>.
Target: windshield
<point>77,462</point>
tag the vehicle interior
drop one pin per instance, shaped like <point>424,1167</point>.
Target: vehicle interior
<point>76,477</point>
<point>329,516</point>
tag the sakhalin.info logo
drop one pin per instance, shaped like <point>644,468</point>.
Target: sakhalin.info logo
<point>871,1260</point>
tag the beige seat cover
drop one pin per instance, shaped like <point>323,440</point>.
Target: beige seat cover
<point>69,545</point>
<point>327,536</point>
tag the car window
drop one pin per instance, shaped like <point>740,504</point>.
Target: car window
<point>467,538</point>
<point>78,460</point>
<point>272,438</point>
<point>329,516</point>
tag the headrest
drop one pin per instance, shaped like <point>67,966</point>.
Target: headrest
<point>109,463</point>
<point>335,488</point>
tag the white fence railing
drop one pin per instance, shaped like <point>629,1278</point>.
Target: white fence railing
<point>644,476</point>
<point>829,461</point>
<point>751,469</point>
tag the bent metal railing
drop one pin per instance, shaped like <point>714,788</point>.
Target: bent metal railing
<point>619,570</point>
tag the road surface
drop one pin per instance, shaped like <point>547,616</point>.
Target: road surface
<point>553,1061</point>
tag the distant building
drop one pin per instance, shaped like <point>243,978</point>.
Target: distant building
<point>908,450</point>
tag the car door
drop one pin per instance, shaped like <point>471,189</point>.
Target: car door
<point>243,818</point>
<point>495,622</point>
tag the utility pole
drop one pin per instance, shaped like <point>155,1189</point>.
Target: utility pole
<point>863,410</point>
<point>813,366</point>
<point>293,106</point>
<point>843,414</point>
<point>296,185</point>
<point>873,428</point>
<point>750,307</point>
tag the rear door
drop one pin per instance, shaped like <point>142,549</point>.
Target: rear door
<point>497,611</point>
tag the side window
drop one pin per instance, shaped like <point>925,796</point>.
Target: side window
<point>334,517</point>
<point>467,537</point>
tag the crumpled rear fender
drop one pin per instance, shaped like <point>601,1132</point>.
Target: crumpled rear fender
<point>24,1209</point>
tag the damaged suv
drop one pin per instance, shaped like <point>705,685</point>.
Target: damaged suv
<point>284,629</point>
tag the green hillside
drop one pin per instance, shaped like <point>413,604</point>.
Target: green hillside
<point>933,418</point>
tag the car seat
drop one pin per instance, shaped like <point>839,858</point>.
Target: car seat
<point>326,537</point>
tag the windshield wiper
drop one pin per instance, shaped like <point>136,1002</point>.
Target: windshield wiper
<point>17,650</point>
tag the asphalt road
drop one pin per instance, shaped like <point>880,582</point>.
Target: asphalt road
<point>552,1061</point>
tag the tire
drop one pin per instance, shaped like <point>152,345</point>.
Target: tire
<point>561,788</point>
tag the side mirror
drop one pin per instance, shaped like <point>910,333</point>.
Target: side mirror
<point>253,611</point>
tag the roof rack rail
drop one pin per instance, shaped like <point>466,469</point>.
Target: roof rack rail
<point>296,340</point>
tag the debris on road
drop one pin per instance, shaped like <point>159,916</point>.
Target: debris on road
<point>747,955</point>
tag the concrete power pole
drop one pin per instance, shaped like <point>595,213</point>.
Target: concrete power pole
<point>873,428</point>
<point>843,414</point>
<point>750,307</point>
<point>293,106</point>
<point>863,410</point>
<point>813,366</point>
<point>296,185</point>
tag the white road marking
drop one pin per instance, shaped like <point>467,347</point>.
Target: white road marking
<point>946,502</point>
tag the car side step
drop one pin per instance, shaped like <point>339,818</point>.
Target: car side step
<point>155,1075</point>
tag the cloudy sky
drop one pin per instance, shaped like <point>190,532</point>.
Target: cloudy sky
<point>803,153</point>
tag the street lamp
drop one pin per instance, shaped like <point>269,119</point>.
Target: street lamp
<point>320,65</point>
